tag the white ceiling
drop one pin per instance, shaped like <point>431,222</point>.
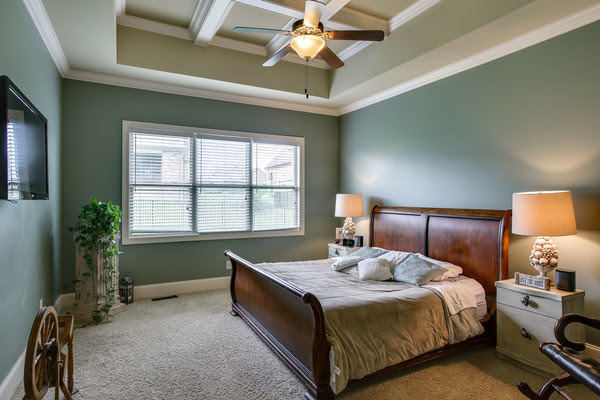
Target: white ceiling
<point>189,47</point>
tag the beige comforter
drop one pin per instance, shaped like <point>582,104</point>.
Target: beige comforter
<point>372,325</point>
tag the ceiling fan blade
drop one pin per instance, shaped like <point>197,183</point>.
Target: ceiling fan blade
<point>261,30</point>
<point>375,36</point>
<point>312,13</point>
<point>330,58</point>
<point>275,58</point>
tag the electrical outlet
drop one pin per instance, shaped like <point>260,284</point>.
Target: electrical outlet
<point>41,302</point>
<point>228,264</point>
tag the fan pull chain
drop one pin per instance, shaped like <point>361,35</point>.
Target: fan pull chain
<point>306,79</point>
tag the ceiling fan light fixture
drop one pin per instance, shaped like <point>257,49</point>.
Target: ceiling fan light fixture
<point>307,46</point>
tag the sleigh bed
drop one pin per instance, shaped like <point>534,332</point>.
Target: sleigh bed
<point>292,321</point>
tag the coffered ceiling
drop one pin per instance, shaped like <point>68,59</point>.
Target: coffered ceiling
<point>189,46</point>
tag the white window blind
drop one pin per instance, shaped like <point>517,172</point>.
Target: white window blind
<point>207,184</point>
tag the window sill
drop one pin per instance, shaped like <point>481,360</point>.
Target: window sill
<point>192,237</point>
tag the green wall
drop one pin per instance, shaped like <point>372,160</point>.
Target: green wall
<point>91,166</point>
<point>527,121</point>
<point>29,230</point>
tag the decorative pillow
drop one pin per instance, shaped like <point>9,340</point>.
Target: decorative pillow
<point>345,262</point>
<point>375,269</point>
<point>369,252</point>
<point>416,271</point>
<point>395,257</point>
<point>453,270</point>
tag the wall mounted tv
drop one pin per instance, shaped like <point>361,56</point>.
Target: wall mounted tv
<point>23,146</point>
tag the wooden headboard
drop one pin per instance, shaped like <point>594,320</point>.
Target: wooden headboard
<point>477,240</point>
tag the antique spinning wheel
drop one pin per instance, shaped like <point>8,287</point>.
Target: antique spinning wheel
<point>44,367</point>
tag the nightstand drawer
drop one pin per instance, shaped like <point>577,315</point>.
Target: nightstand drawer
<point>513,323</point>
<point>334,252</point>
<point>530,302</point>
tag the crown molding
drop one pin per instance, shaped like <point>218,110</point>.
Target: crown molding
<point>556,28</point>
<point>193,92</point>
<point>353,49</point>
<point>44,27</point>
<point>411,12</point>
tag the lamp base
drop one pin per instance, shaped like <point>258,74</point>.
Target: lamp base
<point>544,255</point>
<point>348,229</point>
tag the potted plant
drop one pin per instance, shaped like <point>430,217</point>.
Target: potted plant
<point>96,236</point>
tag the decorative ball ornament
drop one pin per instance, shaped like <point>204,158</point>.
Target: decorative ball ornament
<point>544,255</point>
<point>348,229</point>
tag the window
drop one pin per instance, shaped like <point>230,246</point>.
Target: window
<point>186,183</point>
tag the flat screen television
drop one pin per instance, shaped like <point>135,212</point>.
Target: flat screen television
<point>23,146</point>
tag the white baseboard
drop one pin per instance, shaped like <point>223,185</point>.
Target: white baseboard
<point>65,300</point>
<point>181,287</point>
<point>14,377</point>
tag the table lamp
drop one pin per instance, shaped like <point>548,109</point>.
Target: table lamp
<point>349,205</point>
<point>543,214</point>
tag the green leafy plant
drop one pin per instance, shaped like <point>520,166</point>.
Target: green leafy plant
<point>94,233</point>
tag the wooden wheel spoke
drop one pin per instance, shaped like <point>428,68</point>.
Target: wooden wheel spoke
<point>42,348</point>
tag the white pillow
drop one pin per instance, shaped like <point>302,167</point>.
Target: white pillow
<point>395,257</point>
<point>453,270</point>
<point>345,262</point>
<point>375,269</point>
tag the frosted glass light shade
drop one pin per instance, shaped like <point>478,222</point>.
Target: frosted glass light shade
<point>307,46</point>
<point>543,213</point>
<point>349,205</point>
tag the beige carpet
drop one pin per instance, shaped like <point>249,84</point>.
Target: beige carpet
<point>191,348</point>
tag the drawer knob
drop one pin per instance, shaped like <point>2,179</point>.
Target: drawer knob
<point>525,300</point>
<point>525,334</point>
<point>337,252</point>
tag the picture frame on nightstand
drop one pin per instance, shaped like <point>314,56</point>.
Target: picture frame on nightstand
<point>538,282</point>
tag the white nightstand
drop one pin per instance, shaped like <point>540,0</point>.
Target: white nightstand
<point>526,317</point>
<point>337,250</point>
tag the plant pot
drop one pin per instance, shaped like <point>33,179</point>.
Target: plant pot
<point>91,292</point>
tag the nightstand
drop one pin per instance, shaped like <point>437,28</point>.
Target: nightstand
<point>337,250</point>
<point>526,317</point>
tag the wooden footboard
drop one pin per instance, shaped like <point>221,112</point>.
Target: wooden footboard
<point>288,319</point>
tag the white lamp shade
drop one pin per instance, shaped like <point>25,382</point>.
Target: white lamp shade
<point>307,46</point>
<point>349,205</point>
<point>543,213</point>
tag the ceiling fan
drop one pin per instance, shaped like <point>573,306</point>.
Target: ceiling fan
<point>309,37</point>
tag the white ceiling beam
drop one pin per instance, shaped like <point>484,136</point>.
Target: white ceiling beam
<point>348,18</point>
<point>333,7</point>
<point>155,27</point>
<point>293,8</point>
<point>120,8</point>
<point>207,19</point>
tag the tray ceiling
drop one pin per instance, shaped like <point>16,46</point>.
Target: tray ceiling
<point>189,47</point>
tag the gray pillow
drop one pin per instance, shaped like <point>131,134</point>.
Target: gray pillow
<point>416,271</point>
<point>369,252</point>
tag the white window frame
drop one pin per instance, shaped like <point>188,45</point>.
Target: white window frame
<point>127,239</point>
